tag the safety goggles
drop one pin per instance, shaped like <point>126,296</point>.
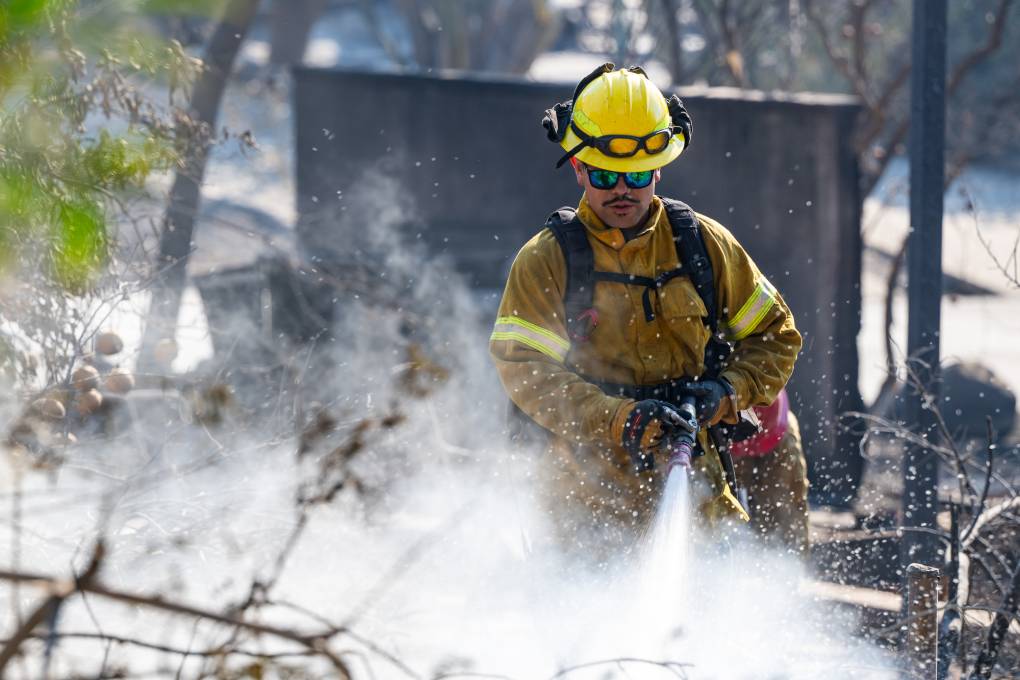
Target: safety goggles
<point>607,179</point>
<point>620,146</point>
<point>625,146</point>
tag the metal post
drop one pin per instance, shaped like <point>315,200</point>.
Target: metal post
<point>924,267</point>
<point>920,642</point>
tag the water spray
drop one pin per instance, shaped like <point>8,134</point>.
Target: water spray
<point>660,603</point>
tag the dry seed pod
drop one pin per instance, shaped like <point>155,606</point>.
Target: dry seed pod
<point>85,378</point>
<point>109,343</point>
<point>119,381</point>
<point>64,395</point>
<point>88,402</point>
<point>50,408</point>
<point>165,351</point>
<point>62,439</point>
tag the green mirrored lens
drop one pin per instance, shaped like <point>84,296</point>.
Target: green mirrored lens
<point>638,180</point>
<point>603,179</point>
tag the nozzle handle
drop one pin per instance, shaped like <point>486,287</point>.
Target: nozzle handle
<point>681,447</point>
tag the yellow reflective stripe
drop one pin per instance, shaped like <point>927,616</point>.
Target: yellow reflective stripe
<point>525,340</point>
<point>527,333</point>
<point>585,123</point>
<point>527,325</point>
<point>753,311</point>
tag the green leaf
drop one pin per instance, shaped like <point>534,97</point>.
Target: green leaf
<point>79,245</point>
<point>21,16</point>
<point>201,8</point>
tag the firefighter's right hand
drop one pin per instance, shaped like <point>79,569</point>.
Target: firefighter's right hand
<point>645,425</point>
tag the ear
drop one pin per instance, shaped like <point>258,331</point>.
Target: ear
<point>658,175</point>
<point>578,172</point>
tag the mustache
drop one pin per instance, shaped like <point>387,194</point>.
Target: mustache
<point>618,200</point>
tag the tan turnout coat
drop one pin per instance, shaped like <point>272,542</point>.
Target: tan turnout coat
<point>541,368</point>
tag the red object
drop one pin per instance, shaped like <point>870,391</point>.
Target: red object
<point>775,421</point>
<point>592,316</point>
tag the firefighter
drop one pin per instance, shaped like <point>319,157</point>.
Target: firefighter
<point>619,309</point>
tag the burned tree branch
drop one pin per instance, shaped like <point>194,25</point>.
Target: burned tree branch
<point>59,590</point>
<point>853,69</point>
<point>996,30</point>
<point>1012,275</point>
<point>317,643</point>
<point>989,468</point>
<point>985,663</point>
<point>169,649</point>
<point>840,61</point>
<point>858,17</point>
<point>678,668</point>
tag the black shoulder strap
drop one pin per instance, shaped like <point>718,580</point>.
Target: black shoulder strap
<point>694,261</point>
<point>581,275</point>
<point>692,255</point>
<point>577,298</point>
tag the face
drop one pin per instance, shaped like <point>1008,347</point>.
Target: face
<point>621,207</point>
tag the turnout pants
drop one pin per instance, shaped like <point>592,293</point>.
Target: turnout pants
<point>777,488</point>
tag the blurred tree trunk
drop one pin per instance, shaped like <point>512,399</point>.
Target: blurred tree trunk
<point>676,48</point>
<point>454,50</point>
<point>421,20</point>
<point>497,35</point>
<point>179,221</point>
<point>290,24</point>
<point>527,46</point>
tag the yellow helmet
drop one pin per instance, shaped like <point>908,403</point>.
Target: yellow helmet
<point>619,120</point>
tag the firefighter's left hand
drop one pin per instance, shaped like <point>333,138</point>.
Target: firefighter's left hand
<point>711,396</point>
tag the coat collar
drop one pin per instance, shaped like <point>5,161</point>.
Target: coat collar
<point>612,236</point>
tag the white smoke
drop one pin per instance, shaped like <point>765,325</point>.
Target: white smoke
<point>448,568</point>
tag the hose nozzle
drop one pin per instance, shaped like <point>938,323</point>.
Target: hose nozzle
<point>679,455</point>
<point>681,448</point>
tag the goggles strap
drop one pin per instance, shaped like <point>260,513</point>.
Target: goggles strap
<point>604,68</point>
<point>585,141</point>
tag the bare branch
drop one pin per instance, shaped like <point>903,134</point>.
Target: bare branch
<point>1012,275</point>
<point>985,663</point>
<point>677,668</point>
<point>840,61</point>
<point>58,592</point>
<point>858,17</point>
<point>316,643</point>
<point>992,43</point>
<point>169,649</point>
<point>990,466</point>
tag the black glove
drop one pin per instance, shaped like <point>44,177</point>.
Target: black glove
<point>709,395</point>
<point>639,441</point>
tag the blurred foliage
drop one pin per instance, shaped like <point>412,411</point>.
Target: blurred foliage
<point>77,129</point>
<point>91,108</point>
<point>481,35</point>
